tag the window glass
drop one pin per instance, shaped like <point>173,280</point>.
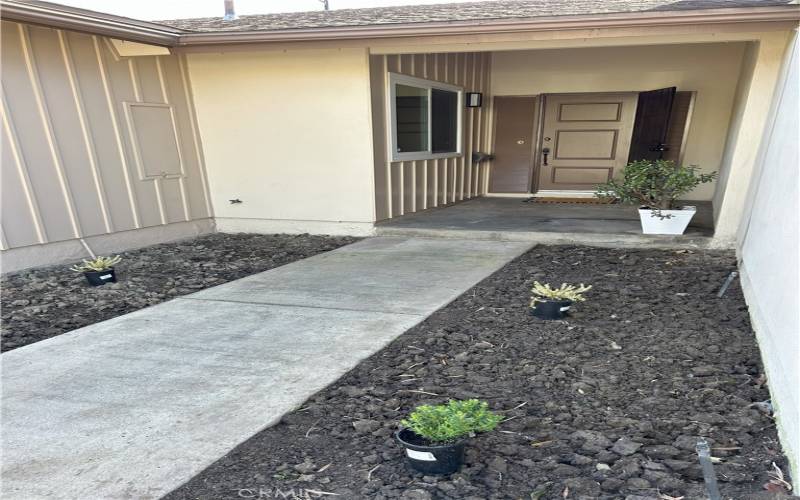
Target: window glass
<point>412,118</point>
<point>444,121</point>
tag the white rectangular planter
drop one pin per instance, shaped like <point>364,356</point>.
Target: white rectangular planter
<point>670,221</point>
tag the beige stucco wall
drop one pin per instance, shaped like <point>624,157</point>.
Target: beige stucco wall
<point>769,253</point>
<point>289,134</point>
<point>754,96</point>
<point>403,187</point>
<point>712,70</point>
<point>73,165</point>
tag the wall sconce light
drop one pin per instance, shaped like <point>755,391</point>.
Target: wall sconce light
<point>474,99</point>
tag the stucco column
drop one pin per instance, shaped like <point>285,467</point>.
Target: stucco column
<point>760,74</point>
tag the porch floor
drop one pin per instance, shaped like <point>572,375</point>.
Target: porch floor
<point>513,219</point>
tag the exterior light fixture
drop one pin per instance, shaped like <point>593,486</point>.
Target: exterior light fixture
<point>474,99</point>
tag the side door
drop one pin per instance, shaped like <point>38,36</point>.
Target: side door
<point>514,132</point>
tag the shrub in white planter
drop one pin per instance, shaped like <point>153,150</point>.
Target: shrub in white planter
<point>655,186</point>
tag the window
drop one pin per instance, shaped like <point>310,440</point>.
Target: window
<point>411,104</point>
<point>425,118</point>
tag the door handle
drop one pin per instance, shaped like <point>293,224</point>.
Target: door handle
<point>545,152</point>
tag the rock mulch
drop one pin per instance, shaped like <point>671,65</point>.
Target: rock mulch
<point>45,302</point>
<point>608,404</point>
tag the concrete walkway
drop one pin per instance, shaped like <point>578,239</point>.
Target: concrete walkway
<point>133,407</point>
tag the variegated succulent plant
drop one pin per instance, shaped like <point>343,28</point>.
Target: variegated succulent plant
<point>542,292</point>
<point>97,264</point>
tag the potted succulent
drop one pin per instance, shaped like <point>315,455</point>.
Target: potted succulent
<point>655,186</point>
<point>434,436</point>
<point>99,270</point>
<point>552,303</point>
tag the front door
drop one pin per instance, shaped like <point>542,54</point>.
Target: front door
<point>585,139</point>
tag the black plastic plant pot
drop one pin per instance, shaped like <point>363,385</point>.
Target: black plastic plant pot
<point>97,278</point>
<point>430,459</point>
<point>550,309</point>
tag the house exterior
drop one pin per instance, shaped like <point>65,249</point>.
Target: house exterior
<point>120,133</point>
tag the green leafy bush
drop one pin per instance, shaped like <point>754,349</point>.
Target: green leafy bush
<point>98,264</point>
<point>448,422</point>
<point>655,184</point>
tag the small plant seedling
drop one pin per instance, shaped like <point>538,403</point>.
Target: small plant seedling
<point>447,422</point>
<point>97,265</point>
<point>564,292</point>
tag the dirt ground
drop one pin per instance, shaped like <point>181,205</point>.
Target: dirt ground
<point>45,302</point>
<point>608,404</point>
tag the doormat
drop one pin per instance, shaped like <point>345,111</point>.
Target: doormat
<point>586,201</point>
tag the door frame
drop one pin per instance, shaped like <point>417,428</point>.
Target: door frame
<point>541,102</point>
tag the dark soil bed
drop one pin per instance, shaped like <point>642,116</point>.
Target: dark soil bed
<point>608,404</point>
<point>45,302</point>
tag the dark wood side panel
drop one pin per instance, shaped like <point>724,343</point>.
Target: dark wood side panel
<point>511,169</point>
<point>679,119</point>
<point>650,126</point>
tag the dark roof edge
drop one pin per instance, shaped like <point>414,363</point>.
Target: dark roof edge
<point>73,18</point>
<point>61,16</point>
<point>550,23</point>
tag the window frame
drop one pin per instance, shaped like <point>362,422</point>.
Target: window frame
<point>429,85</point>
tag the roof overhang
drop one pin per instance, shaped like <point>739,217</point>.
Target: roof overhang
<point>60,16</point>
<point>479,27</point>
<point>71,18</point>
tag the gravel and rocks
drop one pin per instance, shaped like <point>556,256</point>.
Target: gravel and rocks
<point>607,404</point>
<point>44,302</point>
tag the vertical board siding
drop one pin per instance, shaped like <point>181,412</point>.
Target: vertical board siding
<point>63,117</point>
<point>196,180</point>
<point>88,140</point>
<point>406,187</point>
<point>488,121</point>
<point>68,165</point>
<point>377,76</point>
<point>15,190</point>
<point>27,130</point>
<point>124,86</point>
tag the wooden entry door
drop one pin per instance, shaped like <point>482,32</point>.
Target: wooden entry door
<point>585,139</point>
<point>513,164</point>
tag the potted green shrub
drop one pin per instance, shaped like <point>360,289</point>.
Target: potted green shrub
<point>655,186</point>
<point>552,303</point>
<point>434,436</point>
<point>99,270</point>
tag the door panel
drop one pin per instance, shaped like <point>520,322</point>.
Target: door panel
<point>585,144</point>
<point>586,138</point>
<point>513,163</point>
<point>589,112</point>
<point>572,175</point>
<point>651,124</point>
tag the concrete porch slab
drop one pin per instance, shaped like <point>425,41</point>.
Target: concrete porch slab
<point>135,406</point>
<point>511,219</point>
